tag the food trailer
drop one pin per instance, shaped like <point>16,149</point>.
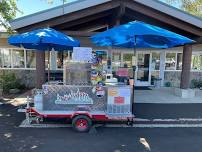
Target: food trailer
<point>89,91</point>
<point>87,94</point>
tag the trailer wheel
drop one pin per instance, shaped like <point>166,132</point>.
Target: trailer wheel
<point>81,123</point>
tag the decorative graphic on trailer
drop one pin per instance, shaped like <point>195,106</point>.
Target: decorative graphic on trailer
<point>92,100</point>
<point>77,97</point>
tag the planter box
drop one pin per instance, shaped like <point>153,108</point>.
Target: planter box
<point>185,93</point>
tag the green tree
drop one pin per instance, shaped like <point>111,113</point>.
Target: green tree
<point>194,7</point>
<point>8,10</point>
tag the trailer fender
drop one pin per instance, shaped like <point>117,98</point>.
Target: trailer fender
<point>86,113</point>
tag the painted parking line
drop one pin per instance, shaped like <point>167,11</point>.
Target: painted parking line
<point>158,126</point>
<point>178,120</point>
<point>25,124</point>
<point>169,120</point>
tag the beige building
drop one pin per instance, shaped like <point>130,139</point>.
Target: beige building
<point>81,19</point>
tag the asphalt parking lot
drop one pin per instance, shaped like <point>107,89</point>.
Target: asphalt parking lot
<point>15,139</point>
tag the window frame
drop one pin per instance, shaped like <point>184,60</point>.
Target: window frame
<point>69,59</point>
<point>12,63</point>
<point>25,60</point>
<point>127,51</point>
<point>154,70</point>
<point>175,52</point>
<point>196,53</point>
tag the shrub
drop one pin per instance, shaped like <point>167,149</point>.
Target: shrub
<point>196,83</point>
<point>9,81</point>
<point>168,84</point>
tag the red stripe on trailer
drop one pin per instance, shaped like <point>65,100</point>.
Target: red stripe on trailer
<point>100,117</point>
<point>97,117</point>
<point>57,116</point>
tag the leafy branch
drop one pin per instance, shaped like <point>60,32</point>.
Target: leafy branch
<point>8,10</point>
<point>194,7</point>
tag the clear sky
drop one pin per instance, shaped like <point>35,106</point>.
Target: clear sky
<point>33,6</point>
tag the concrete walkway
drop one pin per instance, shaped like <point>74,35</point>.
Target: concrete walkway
<point>17,100</point>
<point>164,95</point>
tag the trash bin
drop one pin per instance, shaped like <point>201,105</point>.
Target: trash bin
<point>157,82</point>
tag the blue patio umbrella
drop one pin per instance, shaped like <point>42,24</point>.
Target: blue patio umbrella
<point>44,39</point>
<point>139,35</point>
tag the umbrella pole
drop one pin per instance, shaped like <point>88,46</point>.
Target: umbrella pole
<point>134,70</point>
<point>48,66</point>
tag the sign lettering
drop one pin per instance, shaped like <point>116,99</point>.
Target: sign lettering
<point>77,97</point>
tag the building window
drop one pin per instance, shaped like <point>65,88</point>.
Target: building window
<point>18,59</point>
<point>170,61</point>
<point>62,57</point>
<point>197,62</point>
<point>155,65</point>
<point>47,54</point>
<point>103,56</point>
<point>154,75</point>
<point>5,58</point>
<point>127,60</point>
<point>116,61</point>
<point>31,59</point>
<point>179,61</point>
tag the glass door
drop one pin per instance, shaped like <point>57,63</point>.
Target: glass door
<point>143,75</point>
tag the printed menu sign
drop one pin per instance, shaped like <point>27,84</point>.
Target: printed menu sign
<point>82,54</point>
<point>119,95</point>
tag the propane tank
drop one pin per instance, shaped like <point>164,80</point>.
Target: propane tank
<point>38,100</point>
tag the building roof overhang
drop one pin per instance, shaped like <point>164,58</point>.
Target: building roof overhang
<point>54,12</point>
<point>90,14</point>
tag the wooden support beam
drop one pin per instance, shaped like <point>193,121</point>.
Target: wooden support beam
<point>72,16</point>
<point>186,66</point>
<point>163,17</point>
<point>83,20</point>
<point>117,14</point>
<point>199,40</point>
<point>96,27</point>
<point>79,33</point>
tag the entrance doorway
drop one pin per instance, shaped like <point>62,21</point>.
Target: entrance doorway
<point>143,74</point>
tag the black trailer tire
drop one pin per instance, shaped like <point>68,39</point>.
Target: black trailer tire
<point>81,123</point>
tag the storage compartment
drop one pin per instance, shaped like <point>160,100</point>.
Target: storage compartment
<point>76,73</point>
